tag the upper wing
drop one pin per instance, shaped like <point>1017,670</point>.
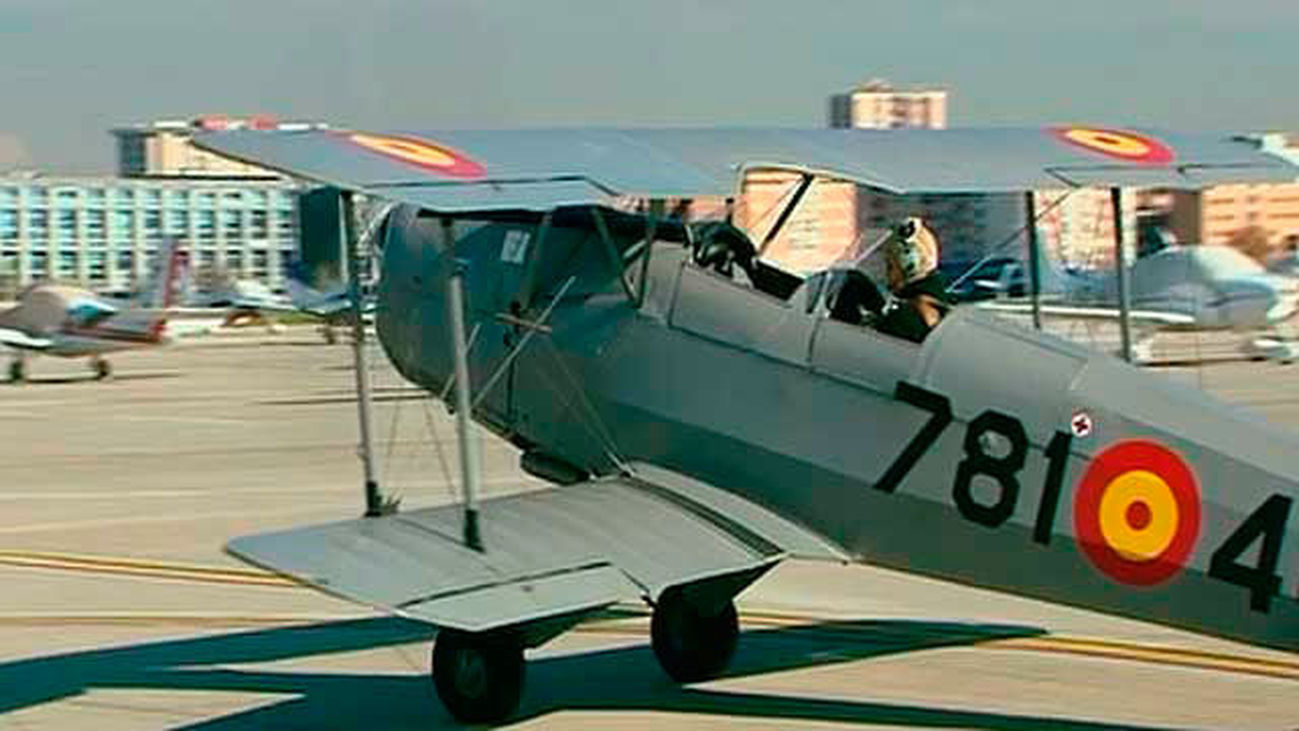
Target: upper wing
<point>550,553</point>
<point>544,169</point>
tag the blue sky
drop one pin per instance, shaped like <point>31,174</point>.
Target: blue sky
<point>72,69</point>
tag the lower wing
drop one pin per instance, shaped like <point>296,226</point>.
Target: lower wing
<point>548,554</point>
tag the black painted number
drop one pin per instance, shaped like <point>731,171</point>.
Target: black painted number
<point>1001,469</point>
<point>940,410</point>
<point>1058,454</point>
<point>1266,523</point>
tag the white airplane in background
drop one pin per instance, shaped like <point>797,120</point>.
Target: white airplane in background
<point>250,301</point>
<point>1181,287</point>
<point>70,322</point>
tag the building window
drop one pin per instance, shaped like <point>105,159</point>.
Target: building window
<point>38,224</point>
<point>174,198</point>
<point>39,263</point>
<point>256,198</point>
<point>67,197</point>
<point>67,225</point>
<point>150,197</point>
<point>282,200</point>
<point>206,200</point>
<point>284,226</point>
<point>177,222</point>
<point>125,260</point>
<point>122,197</point>
<point>95,197</point>
<point>38,195</point>
<point>94,223</point>
<point>206,225</point>
<point>152,224</point>
<point>231,224</point>
<point>97,266</point>
<point>235,260</point>
<point>67,265</point>
<point>259,229</point>
<point>9,197</point>
<point>123,223</point>
<point>8,224</point>
<point>232,199</point>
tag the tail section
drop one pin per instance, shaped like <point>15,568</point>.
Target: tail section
<point>309,299</point>
<point>147,319</point>
<point>168,277</point>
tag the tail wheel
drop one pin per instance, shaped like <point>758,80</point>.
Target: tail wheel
<point>690,644</point>
<point>103,369</point>
<point>17,371</point>
<point>479,677</point>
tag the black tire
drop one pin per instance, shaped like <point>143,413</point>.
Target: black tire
<point>17,371</point>
<point>103,369</point>
<point>479,677</point>
<point>690,645</point>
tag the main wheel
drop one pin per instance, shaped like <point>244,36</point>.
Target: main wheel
<point>103,369</point>
<point>479,677</point>
<point>17,370</point>
<point>690,644</point>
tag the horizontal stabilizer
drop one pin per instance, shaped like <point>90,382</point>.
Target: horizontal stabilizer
<point>549,553</point>
<point>21,340</point>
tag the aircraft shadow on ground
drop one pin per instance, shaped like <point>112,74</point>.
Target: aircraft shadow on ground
<point>62,380</point>
<point>620,679</point>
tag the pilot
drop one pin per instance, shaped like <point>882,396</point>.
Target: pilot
<point>919,289</point>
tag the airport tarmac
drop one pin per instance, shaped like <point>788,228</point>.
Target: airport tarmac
<point>120,610</point>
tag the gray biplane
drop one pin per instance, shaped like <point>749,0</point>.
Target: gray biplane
<point>704,416</point>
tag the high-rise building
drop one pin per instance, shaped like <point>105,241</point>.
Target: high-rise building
<point>878,105</point>
<point>165,148</point>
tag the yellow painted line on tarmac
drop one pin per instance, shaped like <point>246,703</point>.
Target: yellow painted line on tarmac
<point>144,569</point>
<point>188,619</point>
<point>1152,654</point>
<point>1065,645</point>
<point>633,621</point>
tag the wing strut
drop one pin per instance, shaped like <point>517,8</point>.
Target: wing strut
<point>375,505</point>
<point>1034,265</point>
<point>788,211</point>
<point>469,458</point>
<point>1121,270</point>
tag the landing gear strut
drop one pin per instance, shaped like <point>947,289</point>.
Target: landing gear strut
<point>690,642</point>
<point>478,676</point>
<point>17,370</point>
<point>103,369</point>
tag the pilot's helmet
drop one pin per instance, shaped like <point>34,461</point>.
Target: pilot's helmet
<point>913,251</point>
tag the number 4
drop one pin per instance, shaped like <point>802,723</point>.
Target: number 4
<point>1268,522</point>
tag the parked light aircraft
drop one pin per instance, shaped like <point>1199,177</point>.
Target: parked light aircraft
<point>244,301</point>
<point>69,322</point>
<point>1179,287</point>
<point>705,418</point>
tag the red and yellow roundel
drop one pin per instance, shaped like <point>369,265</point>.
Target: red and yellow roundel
<point>1118,144</point>
<point>435,158</point>
<point>1137,512</point>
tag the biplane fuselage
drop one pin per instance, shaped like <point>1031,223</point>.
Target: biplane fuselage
<point>990,454</point>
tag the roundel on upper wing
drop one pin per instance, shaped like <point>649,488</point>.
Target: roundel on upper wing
<point>430,156</point>
<point>1137,512</point>
<point>1117,144</point>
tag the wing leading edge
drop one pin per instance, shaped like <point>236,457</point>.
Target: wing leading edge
<point>540,169</point>
<point>551,553</point>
